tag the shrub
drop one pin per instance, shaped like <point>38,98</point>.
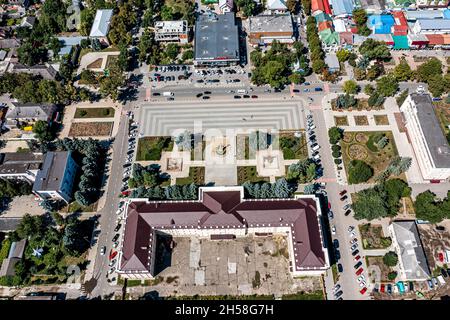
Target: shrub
<point>83,113</point>
<point>336,147</point>
<point>338,161</point>
<point>359,171</point>
<point>392,275</point>
<point>390,259</point>
<point>336,154</point>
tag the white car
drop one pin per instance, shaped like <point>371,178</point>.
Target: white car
<point>361,278</point>
<point>351,228</point>
<point>103,250</point>
<point>333,230</point>
<point>119,211</point>
<point>362,284</point>
<point>112,270</point>
<point>353,234</point>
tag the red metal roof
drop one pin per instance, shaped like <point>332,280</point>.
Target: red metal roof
<point>322,5</point>
<point>221,210</point>
<point>435,39</point>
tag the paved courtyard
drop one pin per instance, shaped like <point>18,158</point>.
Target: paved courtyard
<point>251,265</point>
<point>161,119</point>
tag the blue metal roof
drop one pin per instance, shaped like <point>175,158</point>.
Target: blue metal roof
<point>341,7</point>
<point>381,24</point>
<point>446,14</point>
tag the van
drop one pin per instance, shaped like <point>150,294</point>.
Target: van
<point>241,91</point>
<point>167,94</point>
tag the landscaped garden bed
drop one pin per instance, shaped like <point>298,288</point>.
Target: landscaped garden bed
<point>361,120</point>
<point>373,238</point>
<point>381,120</point>
<point>150,148</point>
<point>384,269</point>
<point>91,129</point>
<point>94,113</point>
<point>196,175</point>
<point>341,121</point>
<point>249,173</point>
<point>198,151</point>
<point>293,147</point>
<point>361,146</point>
<point>242,147</point>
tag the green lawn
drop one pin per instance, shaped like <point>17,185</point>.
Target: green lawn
<point>292,147</point>
<point>372,237</point>
<point>196,175</point>
<point>249,173</point>
<point>94,113</point>
<point>150,148</point>
<point>317,295</point>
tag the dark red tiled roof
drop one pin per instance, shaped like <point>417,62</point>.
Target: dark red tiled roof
<point>222,209</point>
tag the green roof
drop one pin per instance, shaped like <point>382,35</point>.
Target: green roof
<point>329,37</point>
<point>321,17</point>
<point>400,42</point>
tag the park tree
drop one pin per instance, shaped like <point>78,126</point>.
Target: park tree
<point>374,50</point>
<point>335,134</point>
<point>387,86</point>
<point>247,7</point>
<point>306,5</point>
<point>359,171</point>
<point>350,87</point>
<point>390,259</point>
<point>437,85</point>
<point>428,69</point>
<point>343,55</point>
<point>172,50</point>
<point>402,71</point>
<point>42,130</point>
<point>369,205</point>
<point>369,89</point>
<point>428,208</point>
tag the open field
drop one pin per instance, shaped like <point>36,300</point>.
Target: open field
<point>93,129</point>
<point>94,113</point>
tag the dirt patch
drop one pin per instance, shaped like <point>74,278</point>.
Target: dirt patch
<point>361,120</point>
<point>94,129</point>
<point>379,264</point>
<point>96,64</point>
<point>381,120</point>
<point>341,121</point>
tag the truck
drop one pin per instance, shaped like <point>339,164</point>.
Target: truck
<point>168,94</point>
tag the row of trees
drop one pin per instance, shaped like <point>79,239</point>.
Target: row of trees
<point>381,201</point>
<point>13,188</point>
<point>174,192</point>
<point>317,55</point>
<point>265,190</point>
<point>303,171</point>
<point>149,176</point>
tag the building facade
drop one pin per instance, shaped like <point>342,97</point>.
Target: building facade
<point>430,146</point>
<point>172,31</point>
<point>20,165</point>
<point>222,213</point>
<point>264,29</point>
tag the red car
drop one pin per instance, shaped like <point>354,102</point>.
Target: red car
<point>342,192</point>
<point>357,258</point>
<point>363,290</point>
<point>112,254</point>
<point>360,270</point>
<point>329,205</point>
<point>382,288</point>
<point>441,257</point>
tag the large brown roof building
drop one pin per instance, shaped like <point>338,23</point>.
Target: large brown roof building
<point>222,212</point>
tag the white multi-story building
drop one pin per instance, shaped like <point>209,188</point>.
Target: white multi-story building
<point>172,31</point>
<point>430,146</point>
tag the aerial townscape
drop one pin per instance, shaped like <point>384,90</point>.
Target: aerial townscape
<point>225,150</point>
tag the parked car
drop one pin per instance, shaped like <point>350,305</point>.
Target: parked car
<point>354,253</point>
<point>435,282</point>
<point>237,97</point>
<point>198,95</point>
<point>116,237</point>
<point>330,214</point>
<point>347,206</point>
<point>440,228</point>
<point>354,240</point>
<point>336,287</point>
<point>363,290</point>
<point>350,228</point>
<point>318,89</point>
<point>205,97</point>
<point>411,286</point>
<point>361,278</point>
<point>156,94</point>
<point>430,284</point>
<point>254,96</point>
<point>103,250</point>
<point>359,271</point>
<point>357,258</point>
<point>444,273</point>
<point>342,192</point>
<point>117,228</point>
<point>337,254</point>
<point>389,289</point>
<point>359,264</point>
<point>333,230</point>
<point>340,268</point>
<point>344,198</point>
<point>338,294</point>
<point>354,246</point>
<point>336,243</point>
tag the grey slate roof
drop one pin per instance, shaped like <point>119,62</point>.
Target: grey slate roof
<point>411,251</point>
<point>434,137</point>
<point>216,37</point>
<point>30,110</point>
<point>100,27</point>
<point>49,178</point>
<point>271,23</point>
<point>15,255</point>
<point>19,162</point>
<point>9,224</point>
<point>434,24</point>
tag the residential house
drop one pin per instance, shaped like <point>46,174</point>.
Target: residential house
<point>55,179</point>
<point>15,255</point>
<point>276,6</point>
<point>29,113</point>
<point>332,62</point>
<point>101,24</point>
<point>20,165</point>
<point>431,26</point>
<point>428,141</point>
<point>342,8</point>
<point>172,31</point>
<point>412,261</point>
<point>9,43</point>
<point>28,22</point>
<point>226,6</point>
<point>264,29</point>
<point>68,43</point>
<point>46,71</point>
<point>216,40</point>
<point>318,6</point>
<point>223,213</point>
<point>380,23</point>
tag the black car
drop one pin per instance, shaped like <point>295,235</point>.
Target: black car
<point>156,94</point>
<point>336,243</point>
<point>198,95</point>
<point>389,289</point>
<point>338,294</point>
<point>205,97</point>
<point>116,237</point>
<point>207,92</point>
<point>337,254</point>
<point>356,266</point>
<point>246,96</point>
<point>200,81</point>
<point>236,80</point>
<point>347,212</point>
<point>444,273</point>
<point>296,90</point>
<point>354,253</point>
<point>237,97</point>
<point>411,286</point>
<point>344,198</point>
<point>440,228</point>
<point>340,268</point>
<point>117,228</point>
